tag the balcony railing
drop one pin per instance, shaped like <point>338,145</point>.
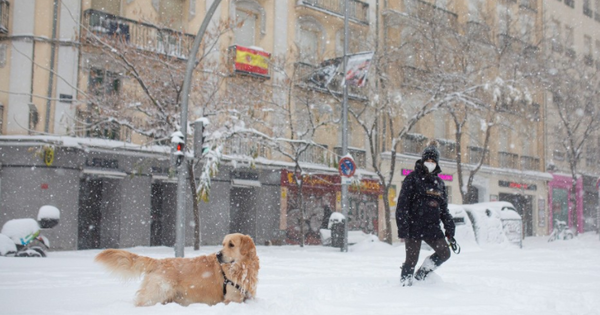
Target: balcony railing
<point>244,147</point>
<point>359,156</point>
<point>530,163</point>
<point>429,12</point>
<point>447,149</point>
<point>357,10</point>
<point>476,153</point>
<point>4,6</point>
<point>140,35</point>
<point>413,143</point>
<point>318,155</point>
<point>508,160</point>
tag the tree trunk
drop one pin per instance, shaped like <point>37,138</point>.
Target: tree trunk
<point>195,205</point>
<point>574,221</point>
<point>387,232</point>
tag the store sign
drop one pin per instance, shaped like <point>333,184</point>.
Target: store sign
<point>446,177</point>
<point>503,183</point>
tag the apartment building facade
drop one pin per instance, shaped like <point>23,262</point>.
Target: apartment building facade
<point>119,192</point>
<point>255,196</point>
<point>505,33</point>
<point>573,30</point>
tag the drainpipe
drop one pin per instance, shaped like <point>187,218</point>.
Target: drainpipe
<point>52,57</point>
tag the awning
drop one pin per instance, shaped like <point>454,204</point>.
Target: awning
<point>245,183</point>
<point>164,178</point>
<point>104,173</point>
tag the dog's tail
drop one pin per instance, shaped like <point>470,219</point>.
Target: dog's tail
<point>124,264</point>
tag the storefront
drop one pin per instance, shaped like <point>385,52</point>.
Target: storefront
<point>559,201</point>
<point>110,194</point>
<point>321,195</point>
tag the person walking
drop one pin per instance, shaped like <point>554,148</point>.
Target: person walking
<point>422,204</point>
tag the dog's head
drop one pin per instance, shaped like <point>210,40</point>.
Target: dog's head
<point>237,247</point>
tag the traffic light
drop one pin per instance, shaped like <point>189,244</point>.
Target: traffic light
<point>177,148</point>
<point>179,153</point>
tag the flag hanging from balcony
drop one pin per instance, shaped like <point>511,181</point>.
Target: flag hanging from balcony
<point>252,61</point>
<point>357,68</point>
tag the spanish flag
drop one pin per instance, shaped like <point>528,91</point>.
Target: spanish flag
<point>252,61</point>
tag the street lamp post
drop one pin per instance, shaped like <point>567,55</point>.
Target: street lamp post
<point>181,169</point>
<point>345,129</point>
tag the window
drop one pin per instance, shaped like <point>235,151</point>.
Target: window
<point>558,155</point>
<point>1,117</point>
<point>245,31</point>
<point>587,8</point>
<point>356,43</point>
<point>556,36</point>
<point>4,16</point>
<point>598,54</point>
<point>310,35</point>
<point>527,28</point>
<point>104,83</point>
<point>570,3</point>
<point>588,57</point>
<point>440,125</point>
<point>590,154</point>
<point>570,41</point>
<point>504,19</point>
<point>249,17</point>
<point>475,10</point>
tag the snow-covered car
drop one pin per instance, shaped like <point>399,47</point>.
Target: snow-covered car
<point>487,224</point>
<point>464,227</point>
<point>512,223</point>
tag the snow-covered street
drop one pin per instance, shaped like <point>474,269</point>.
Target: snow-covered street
<point>562,277</point>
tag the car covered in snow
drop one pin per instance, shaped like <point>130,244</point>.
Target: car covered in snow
<point>464,234</point>
<point>495,223</point>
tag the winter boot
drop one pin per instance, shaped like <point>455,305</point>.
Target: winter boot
<point>429,265</point>
<point>407,276</point>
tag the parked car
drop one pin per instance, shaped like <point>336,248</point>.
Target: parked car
<point>512,223</point>
<point>464,235</point>
<point>487,224</point>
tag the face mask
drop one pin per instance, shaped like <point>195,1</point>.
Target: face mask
<point>430,166</point>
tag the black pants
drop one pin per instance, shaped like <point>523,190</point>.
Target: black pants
<point>413,247</point>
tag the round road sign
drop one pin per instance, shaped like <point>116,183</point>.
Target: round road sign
<point>347,167</point>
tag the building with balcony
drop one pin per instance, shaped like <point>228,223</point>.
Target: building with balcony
<point>95,82</point>
<point>573,33</point>
<point>470,42</point>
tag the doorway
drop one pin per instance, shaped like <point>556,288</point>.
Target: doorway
<point>162,213</point>
<point>89,217</point>
<point>242,211</point>
<point>524,206</point>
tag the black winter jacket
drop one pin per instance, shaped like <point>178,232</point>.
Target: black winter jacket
<point>422,203</point>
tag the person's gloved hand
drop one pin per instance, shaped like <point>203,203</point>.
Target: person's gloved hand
<point>449,234</point>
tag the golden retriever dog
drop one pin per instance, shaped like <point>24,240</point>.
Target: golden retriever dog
<point>231,275</point>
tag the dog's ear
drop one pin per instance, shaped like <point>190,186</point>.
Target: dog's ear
<point>248,248</point>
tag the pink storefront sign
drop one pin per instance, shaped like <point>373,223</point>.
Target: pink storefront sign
<point>446,177</point>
